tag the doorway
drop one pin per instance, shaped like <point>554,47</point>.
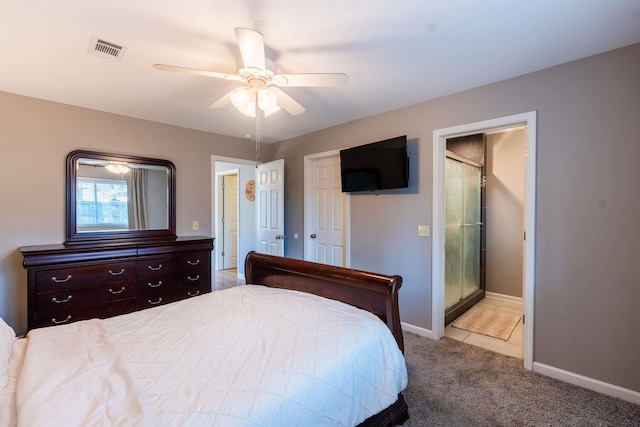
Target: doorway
<point>440,137</point>
<point>246,212</point>
<point>248,199</point>
<point>228,221</point>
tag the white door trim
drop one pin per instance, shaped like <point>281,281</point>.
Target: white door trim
<point>438,233</point>
<point>309,159</point>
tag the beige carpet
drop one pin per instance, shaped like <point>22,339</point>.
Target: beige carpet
<point>487,322</point>
<point>453,384</point>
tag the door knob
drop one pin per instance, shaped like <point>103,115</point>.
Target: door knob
<point>313,236</point>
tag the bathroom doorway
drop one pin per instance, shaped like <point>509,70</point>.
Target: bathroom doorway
<point>440,136</point>
<point>484,246</point>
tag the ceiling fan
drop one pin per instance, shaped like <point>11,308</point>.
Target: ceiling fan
<point>262,84</point>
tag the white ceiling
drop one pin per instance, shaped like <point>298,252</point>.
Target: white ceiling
<point>396,53</point>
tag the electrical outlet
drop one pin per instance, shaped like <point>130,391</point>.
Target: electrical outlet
<point>423,230</point>
<point>195,225</point>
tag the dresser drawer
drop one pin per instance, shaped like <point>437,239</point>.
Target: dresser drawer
<point>191,261</point>
<point>193,290</point>
<point>156,297</point>
<point>80,277</point>
<point>195,277</point>
<point>156,267</point>
<point>65,315</point>
<point>90,295</point>
<point>186,279</point>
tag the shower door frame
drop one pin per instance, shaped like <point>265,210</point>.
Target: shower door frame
<point>457,309</point>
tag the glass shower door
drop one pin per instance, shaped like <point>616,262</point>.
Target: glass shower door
<point>462,230</point>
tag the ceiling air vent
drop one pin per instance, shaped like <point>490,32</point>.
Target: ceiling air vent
<point>106,49</point>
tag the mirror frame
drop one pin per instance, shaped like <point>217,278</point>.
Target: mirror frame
<point>125,236</point>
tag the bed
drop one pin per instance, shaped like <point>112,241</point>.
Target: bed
<point>302,344</point>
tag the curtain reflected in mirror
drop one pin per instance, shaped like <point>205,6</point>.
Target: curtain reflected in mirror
<point>137,199</point>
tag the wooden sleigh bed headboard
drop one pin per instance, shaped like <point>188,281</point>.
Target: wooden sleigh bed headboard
<point>376,293</point>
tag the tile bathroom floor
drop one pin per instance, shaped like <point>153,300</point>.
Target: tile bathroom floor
<point>511,347</point>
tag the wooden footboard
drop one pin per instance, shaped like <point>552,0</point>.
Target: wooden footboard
<point>376,293</point>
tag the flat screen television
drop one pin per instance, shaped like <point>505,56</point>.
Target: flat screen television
<point>380,165</point>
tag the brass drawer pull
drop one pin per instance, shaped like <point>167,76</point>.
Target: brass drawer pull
<point>117,292</point>
<point>62,301</point>
<point>154,302</point>
<point>154,268</point>
<point>193,295</point>
<point>193,263</point>
<point>61,280</point>
<point>116,274</point>
<point>59,322</point>
<point>193,279</point>
<point>155,286</point>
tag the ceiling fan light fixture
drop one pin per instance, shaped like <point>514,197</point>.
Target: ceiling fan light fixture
<point>117,168</point>
<point>244,99</point>
<point>267,99</point>
<point>241,99</point>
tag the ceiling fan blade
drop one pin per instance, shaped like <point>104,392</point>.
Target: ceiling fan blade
<point>311,79</point>
<point>196,72</point>
<point>287,103</point>
<point>251,45</point>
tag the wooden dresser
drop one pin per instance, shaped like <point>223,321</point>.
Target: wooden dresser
<point>76,282</point>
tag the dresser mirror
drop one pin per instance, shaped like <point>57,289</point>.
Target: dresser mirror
<point>119,198</point>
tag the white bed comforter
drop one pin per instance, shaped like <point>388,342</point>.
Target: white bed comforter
<point>246,356</point>
<point>73,376</point>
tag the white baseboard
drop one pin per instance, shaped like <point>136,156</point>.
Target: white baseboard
<point>241,276</point>
<point>418,330</point>
<point>559,374</point>
<point>588,383</point>
<point>503,297</point>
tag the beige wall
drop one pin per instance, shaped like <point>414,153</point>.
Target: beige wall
<point>587,287</point>
<point>505,169</point>
<point>35,138</point>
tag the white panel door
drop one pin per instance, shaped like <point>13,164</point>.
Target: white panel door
<point>270,205</point>
<point>328,207</point>
<point>230,221</point>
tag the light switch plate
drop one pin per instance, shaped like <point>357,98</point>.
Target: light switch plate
<point>423,230</point>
